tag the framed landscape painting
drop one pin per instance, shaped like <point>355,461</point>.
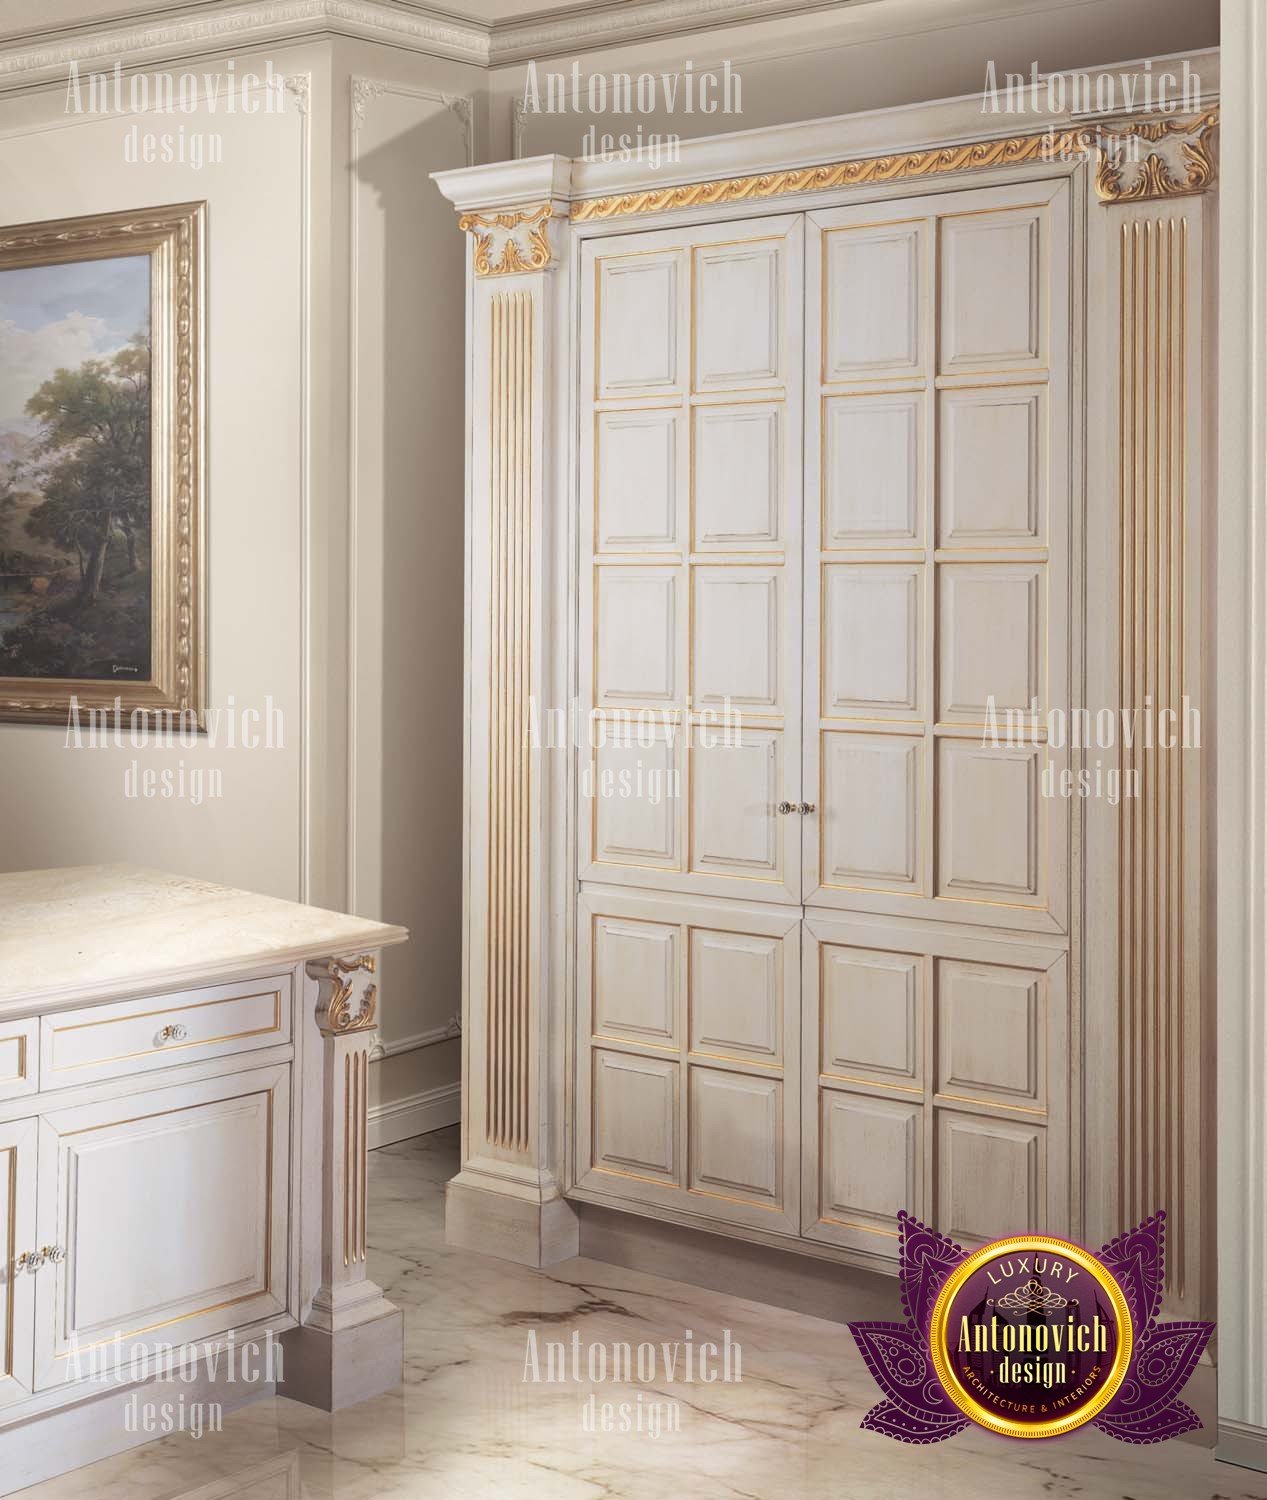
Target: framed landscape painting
<point>101,465</point>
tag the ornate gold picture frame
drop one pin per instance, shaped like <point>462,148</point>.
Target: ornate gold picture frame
<point>102,458</point>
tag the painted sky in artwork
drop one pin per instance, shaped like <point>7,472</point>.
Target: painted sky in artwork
<point>55,316</point>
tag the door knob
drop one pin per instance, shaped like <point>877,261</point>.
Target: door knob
<point>788,807</point>
<point>805,807</point>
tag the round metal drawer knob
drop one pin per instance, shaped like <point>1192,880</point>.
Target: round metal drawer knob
<point>173,1033</point>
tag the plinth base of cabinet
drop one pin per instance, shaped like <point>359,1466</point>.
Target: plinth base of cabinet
<point>802,1283</point>
<point>518,1227</point>
<point>331,1370</point>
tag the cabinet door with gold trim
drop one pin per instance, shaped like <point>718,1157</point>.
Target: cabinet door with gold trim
<point>938,539</point>
<point>688,1057</point>
<point>17,1244</point>
<point>690,630</point>
<point>166,1212</point>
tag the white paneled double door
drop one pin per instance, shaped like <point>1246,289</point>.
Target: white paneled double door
<point>825,516</point>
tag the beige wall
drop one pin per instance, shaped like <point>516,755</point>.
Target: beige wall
<point>335,513</point>
<point>62,805</point>
<point>843,59</point>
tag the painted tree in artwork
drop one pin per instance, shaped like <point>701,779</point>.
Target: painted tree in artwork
<point>75,523</point>
<point>95,436</point>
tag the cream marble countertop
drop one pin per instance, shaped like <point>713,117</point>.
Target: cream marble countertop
<point>101,932</point>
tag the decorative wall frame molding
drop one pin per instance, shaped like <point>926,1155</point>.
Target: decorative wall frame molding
<point>366,90</point>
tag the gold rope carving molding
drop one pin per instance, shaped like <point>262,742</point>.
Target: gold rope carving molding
<point>1156,179</point>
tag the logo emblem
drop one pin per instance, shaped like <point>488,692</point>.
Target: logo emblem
<point>1031,1337</point>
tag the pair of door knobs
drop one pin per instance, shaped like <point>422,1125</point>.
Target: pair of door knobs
<point>796,807</point>
<point>32,1260</point>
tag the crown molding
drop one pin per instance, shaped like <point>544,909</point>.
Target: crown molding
<point>583,28</point>
<point>213,29</point>
<point>44,57</point>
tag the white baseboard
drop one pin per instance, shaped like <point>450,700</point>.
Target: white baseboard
<point>1241,1444</point>
<point>416,1114</point>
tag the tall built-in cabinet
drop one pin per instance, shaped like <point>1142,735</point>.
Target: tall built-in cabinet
<point>808,506</point>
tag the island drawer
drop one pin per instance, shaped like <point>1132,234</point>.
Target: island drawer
<point>19,1058</point>
<point>137,1036</point>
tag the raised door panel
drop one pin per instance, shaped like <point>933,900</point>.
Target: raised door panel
<point>636,480</point>
<point>993,275</point>
<point>871,1166</point>
<point>688,1068</point>
<point>936,1080</point>
<point>990,1177</point>
<point>736,1136</point>
<point>18,1144</point>
<point>644,314</point>
<point>938,556</point>
<point>19,1058</point>
<point>171,1209</point>
<point>873,490</point>
<point>874,313</point>
<point>635,1115</point>
<point>690,547</point>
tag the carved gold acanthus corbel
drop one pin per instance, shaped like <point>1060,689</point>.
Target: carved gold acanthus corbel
<point>1122,177</point>
<point>336,984</point>
<point>512,242</point>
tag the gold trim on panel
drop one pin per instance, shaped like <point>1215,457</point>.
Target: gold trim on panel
<point>532,253</point>
<point>11,1250</point>
<point>170,1010</point>
<point>511,354</point>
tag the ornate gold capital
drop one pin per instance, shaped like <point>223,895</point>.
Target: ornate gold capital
<point>505,244</point>
<point>1183,164</point>
<point>336,983</point>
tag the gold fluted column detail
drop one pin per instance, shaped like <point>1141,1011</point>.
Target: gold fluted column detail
<point>1164,1053</point>
<point>508,1198</point>
<point>510,787</point>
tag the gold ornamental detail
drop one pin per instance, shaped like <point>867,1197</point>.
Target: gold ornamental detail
<point>1121,179</point>
<point>337,978</point>
<point>1155,181</point>
<point>509,243</point>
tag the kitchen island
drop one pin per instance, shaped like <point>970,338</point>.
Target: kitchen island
<point>183,1109</point>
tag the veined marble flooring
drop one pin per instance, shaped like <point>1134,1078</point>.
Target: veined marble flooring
<point>469,1426</point>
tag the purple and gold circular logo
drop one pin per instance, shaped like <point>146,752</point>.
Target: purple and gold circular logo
<point>1031,1336</point>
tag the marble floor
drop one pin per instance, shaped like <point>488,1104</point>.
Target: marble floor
<point>468,1425</point>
